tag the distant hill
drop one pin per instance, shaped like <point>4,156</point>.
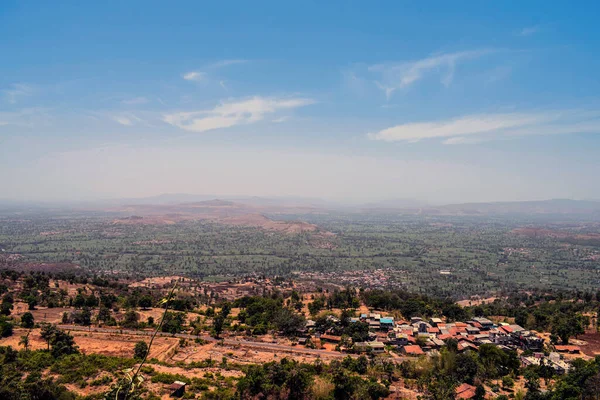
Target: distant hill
<point>542,207</point>
<point>556,206</point>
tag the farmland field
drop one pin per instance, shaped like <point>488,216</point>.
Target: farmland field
<point>440,255</point>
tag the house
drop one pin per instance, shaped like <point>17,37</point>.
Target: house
<point>471,330</point>
<point>435,343</point>
<point>386,323</point>
<point>331,338</point>
<point>559,366</point>
<point>177,388</point>
<point>531,342</point>
<point>374,325</point>
<point>485,323</point>
<point>571,349</point>
<point>515,328</point>
<point>464,345</point>
<point>465,391</point>
<point>412,350</point>
<point>502,340</point>
<point>375,347</point>
<point>401,339</point>
<point>423,326</point>
<point>435,321</point>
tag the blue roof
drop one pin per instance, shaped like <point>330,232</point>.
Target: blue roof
<point>387,320</point>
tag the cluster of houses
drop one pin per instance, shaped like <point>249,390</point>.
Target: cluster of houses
<point>419,336</point>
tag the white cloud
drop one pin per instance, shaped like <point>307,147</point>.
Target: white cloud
<point>202,76</point>
<point>16,91</point>
<point>126,119</point>
<point>195,76</point>
<point>135,101</point>
<point>123,121</point>
<point>228,114</point>
<point>528,31</point>
<point>400,75</point>
<point>464,140</point>
<point>479,127</point>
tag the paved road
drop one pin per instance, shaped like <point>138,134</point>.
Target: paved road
<point>274,347</point>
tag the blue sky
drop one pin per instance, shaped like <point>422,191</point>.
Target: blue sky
<point>355,101</point>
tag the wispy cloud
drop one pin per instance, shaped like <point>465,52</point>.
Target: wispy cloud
<point>201,75</point>
<point>135,101</point>
<point>125,119</point>
<point>480,127</point>
<point>16,91</point>
<point>400,75</point>
<point>528,31</point>
<point>232,113</point>
<point>195,76</point>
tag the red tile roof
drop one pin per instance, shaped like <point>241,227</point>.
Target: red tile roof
<point>413,350</point>
<point>568,348</point>
<point>331,338</point>
<point>506,329</point>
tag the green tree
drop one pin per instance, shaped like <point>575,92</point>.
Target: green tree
<point>27,320</point>
<point>140,350</point>
<point>47,332</point>
<point>218,322</point>
<point>6,308</point>
<point>130,319</point>
<point>103,314</point>
<point>145,302</point>
<point>6,327</point>
<point>24,341</point>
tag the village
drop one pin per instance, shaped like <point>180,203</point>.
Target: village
<point>320,323</point>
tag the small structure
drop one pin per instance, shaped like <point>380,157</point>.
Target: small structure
<point>485,323</point>
<point>177,388</point>
<point>386,323</point>
<point>571,349</point>
<point>331,338</point>
<point>412,350</point>
<point>374,347</point>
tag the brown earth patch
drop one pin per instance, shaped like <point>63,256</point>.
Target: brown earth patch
<point>592,346</point>
<point>260,221</point>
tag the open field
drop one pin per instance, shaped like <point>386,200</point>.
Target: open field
<point>450,256</point>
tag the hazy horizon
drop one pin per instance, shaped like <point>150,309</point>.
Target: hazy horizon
<point>451,103</point>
